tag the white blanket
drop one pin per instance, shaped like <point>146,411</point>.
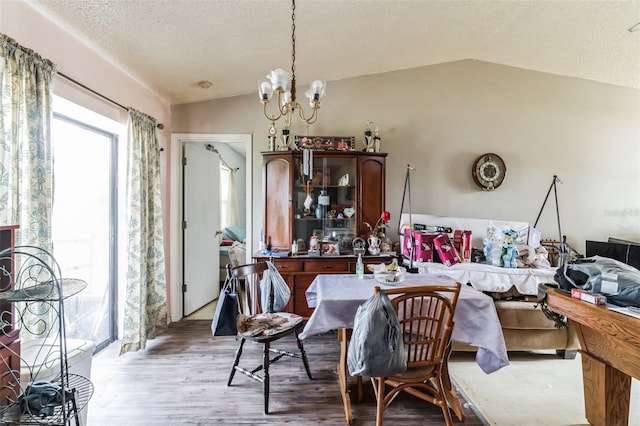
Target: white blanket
<point>492,278</point>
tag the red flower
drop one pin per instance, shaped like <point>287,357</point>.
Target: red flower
<point>385,217</point>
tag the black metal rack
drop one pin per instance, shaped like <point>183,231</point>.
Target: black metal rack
<point>32,292</point>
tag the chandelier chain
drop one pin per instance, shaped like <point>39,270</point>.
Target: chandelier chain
<point>293,50</point>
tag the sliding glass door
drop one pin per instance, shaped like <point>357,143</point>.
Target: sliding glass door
<point>85,224</point>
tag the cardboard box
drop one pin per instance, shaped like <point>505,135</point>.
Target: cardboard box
<point>423,251</point>
<point>457,240</point>
<point>465,253</point>
<point>422,245</point>
<point>596,299</point>
<point>406,243</point>
<point>462,244</point>
<point>404,240</point>
<point>445,249</point>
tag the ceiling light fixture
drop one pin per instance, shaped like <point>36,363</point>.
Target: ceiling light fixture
<point>284,84</point>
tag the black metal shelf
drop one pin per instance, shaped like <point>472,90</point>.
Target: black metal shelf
<point>45,292</point>
<point>35,304</point>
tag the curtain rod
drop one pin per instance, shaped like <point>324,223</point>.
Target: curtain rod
<point>213,149</point>
<point>159,125</point>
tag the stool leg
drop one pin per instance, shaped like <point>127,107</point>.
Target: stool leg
<point>235,362</point>
<point>265,383</point>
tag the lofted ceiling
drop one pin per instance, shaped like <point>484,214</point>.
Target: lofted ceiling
<point>171,45</point>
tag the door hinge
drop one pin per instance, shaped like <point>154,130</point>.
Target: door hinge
<point>184,224</point>
<point>184,288</point>
<point>184,161</point>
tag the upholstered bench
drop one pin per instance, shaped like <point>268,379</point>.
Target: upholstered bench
<point>526,328</point>
<point>524,325</point>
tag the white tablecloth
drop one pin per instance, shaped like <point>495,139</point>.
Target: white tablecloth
<point>336,299</point>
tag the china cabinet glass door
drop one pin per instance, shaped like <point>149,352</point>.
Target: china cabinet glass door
<point>324,204</point>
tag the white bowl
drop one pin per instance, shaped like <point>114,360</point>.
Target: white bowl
<point>390,277</point>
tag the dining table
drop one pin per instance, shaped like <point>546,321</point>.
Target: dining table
<point>336,298</point>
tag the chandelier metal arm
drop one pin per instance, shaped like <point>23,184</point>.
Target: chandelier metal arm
<point>314,113</point>
<point>270,117</point>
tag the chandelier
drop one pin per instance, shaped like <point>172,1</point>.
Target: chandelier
<point>284,84</point>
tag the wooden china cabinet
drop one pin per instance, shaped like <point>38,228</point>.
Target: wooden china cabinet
<point>349,186</point>
<point>9,334</point>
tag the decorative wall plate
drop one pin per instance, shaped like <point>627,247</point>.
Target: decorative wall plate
<point>489,171</point>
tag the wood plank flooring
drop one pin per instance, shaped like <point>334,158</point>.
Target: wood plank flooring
<point>180,379</point>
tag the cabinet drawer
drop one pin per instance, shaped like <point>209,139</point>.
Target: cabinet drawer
<point>326,266</point>
<point>288,266</point>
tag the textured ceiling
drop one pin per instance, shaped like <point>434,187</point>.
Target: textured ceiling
<point>170,45</point>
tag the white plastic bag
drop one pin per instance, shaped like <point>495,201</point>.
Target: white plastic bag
<point>281,292</point>
<point>376,348</point>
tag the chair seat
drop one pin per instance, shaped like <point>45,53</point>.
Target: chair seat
<point>267,324</point>
<point>413,373</point>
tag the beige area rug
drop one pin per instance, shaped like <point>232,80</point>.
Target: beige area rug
<point>535,389</point>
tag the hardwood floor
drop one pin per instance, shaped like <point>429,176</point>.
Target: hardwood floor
<point>180,379</point>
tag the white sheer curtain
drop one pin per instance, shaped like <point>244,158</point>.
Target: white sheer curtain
<point>145,312</point>
<point>26,160</point>
<point>228,197</point>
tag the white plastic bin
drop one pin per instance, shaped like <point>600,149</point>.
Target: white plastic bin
<point>40,361</point>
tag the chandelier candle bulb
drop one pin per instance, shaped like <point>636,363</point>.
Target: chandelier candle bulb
<point>265,91</point>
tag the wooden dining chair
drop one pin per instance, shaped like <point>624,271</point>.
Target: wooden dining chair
<point>264,328</point>
<point>425,314</point>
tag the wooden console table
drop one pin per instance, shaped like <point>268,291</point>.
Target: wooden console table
<point>610,351</point>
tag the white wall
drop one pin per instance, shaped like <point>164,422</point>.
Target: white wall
<point>441,118</point>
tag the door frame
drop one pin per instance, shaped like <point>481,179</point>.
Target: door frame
<point>175,226</point>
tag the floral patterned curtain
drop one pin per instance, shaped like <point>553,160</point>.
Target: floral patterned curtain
<point>145,312</point>
<point>26,160</point>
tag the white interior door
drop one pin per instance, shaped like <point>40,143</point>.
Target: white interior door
<point>201,214</point>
